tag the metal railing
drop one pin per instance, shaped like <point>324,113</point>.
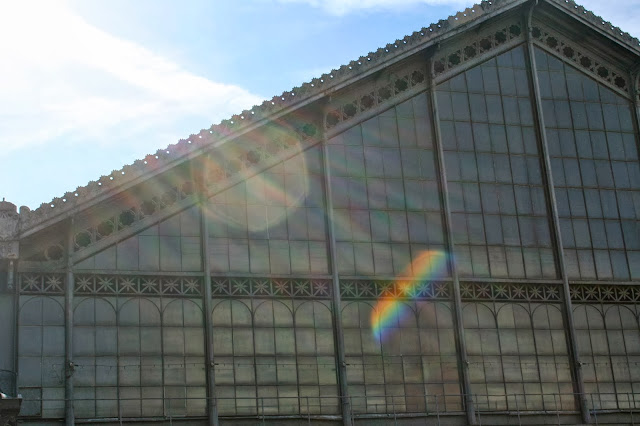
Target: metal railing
<point>394,408</point>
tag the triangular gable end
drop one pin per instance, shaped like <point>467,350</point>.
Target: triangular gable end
<point>361,90</point>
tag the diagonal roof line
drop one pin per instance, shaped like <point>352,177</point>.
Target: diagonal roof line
<point>598,23</point>
<point>129,175</point>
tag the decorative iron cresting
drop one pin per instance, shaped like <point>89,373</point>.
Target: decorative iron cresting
<point>602,293</point>
<point>597,68</point>
<point>487,41</point>
<point>529,292</point>
<point>383,91</point>
<point>598,22</point>
<point>271,287</point>
<point>402,289</point>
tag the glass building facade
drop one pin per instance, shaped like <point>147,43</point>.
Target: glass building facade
<point>298,286</point>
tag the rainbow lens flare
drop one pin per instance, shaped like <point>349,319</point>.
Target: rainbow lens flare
<point>428,266</point>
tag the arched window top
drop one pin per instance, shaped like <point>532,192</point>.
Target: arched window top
<point>139,312</point>
<point>42,311</point>
<point>94,311</point>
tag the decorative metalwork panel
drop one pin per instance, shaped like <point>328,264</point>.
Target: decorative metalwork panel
<point>90,284</point>
<point>42,283</point>
<point>114,285</point>
<point>598,293</point>
<point>271,287</point>
<point>385,90</point>
<point>128,217</point>
<point>597,68</point>
<point>485,42</point>
<point>402,289</point>
<point>510,291</point>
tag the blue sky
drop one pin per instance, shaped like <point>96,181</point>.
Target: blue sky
<point>90,85</point>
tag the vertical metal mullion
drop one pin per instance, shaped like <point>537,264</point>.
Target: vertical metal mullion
<point>68,329</point>
<point>457,300</point>
<point>335,293</point>
<point>576,365</point>
<point>212,406</point>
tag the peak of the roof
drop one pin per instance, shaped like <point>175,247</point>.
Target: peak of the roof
<point>316,87</point>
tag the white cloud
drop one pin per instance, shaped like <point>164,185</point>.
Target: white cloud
<point>62,78</point>
<point>343,7</point>
<point>622,13</point>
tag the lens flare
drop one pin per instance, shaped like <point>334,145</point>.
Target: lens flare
<point>428,266</point>
<point>261,201</point>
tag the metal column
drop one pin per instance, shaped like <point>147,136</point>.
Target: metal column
<point>68,330</point>
<point>576,365</point>
<point>212,405</point>
<point>336,298</point>
<point>457,300</point>
<point>11,282</point>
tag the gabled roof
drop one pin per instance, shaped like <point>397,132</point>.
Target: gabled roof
<point>106,186</point>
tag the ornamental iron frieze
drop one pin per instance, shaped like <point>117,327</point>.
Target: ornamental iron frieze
<point>271,287</point>
<point>401,289</point>
<point>526,292</point>
<point>602,293</point>
<point>383,91</point>
<point>598,69</point>
<point>112,285</point>
<point>42,283</point>
<point>447,61</point>
<point>86,284</point>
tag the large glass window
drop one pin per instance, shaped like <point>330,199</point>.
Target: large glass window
<point>171,245</point>
<point>273,222</point>
<point>411,369</point>
<point>499,215</point>
<point>274,357</point>
<point>518,358</point>
<point>95,352</point>
<point>161,358</point>
<point>596,173</point>
<point>41,356</point>
<point>385,191</point>
<point>609,347</point>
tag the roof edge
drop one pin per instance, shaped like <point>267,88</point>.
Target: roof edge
<point>96,191</point>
